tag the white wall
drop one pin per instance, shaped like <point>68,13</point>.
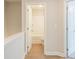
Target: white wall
<point>37,21</point>
<point>14,47</point>
<point>14,39</point>
<point>54,28</point>
<point>12,18</point>
<point>37,24</point>
<point>54,43</point>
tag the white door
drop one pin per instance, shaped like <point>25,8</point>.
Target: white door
<point>28,27</point>
<point>71,29</point>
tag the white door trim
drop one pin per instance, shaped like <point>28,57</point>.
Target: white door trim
<point>65,28</point>
<point>45,23</point>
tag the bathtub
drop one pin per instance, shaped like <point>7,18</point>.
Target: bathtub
<point>14,46</point>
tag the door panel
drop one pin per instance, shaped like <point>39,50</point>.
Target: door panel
<point>29,27</point>
<point>71,29</point>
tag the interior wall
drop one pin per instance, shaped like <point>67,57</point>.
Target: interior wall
<point>12,18</point>
<point>37,21</point>
<point>54,42</point>
<point>14,48</point>
<point>54,26</point>
<point>37,24</point>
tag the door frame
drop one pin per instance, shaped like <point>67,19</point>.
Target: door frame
<point>28,29</point>
<point>66,27</point>
<point>67,2</point>
<point>45,23</point>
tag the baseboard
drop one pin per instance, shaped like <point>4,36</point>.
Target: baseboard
<point>24,55</point>
<point>55,53</point>
<point>37,40</point>
<point>72,55</point>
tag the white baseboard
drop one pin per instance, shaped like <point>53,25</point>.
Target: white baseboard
<point>37,40</point>
<point>61,54</point>
<point>72,55</point>
<point>25,54</point>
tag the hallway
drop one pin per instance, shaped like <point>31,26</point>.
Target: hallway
<point>45,28</point>
<point>37,53</point>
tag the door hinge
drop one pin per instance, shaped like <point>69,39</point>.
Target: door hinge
<point>27,47</point>
<point>66,28</point>
<point>27,10</point>
<point>67,49</point>
<point>27,28</point>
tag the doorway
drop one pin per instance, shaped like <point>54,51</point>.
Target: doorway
<point>35,22</point>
